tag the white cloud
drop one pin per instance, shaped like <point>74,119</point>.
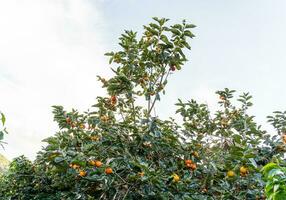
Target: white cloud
<point>50,54</point>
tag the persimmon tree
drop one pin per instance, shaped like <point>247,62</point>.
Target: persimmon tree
<point>120,149</point>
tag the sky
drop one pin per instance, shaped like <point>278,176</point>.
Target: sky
<point>52,50</point>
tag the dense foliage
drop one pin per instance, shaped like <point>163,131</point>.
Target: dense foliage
<point>276,181</point>
<point>120,149</point>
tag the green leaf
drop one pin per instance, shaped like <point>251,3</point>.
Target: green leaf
<point>3,119</point>
<point>280,195</point>
<point>189,34</point>
<point>175,31</point>
<point>1,135</point>
<point>274,172</point>
<point>58,159</point>
<point>253,162</point>
<point>190,26</point>
<point>95,178</point>
<point>276,187</point>
<point>186,45</point>
<point>237,138</point>
<point>155,26</point>
<point>267,168</point>
<point>178,26</point>
<point>165,39</point>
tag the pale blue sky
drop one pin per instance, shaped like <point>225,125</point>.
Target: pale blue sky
<point>239,44</point>
<point>52,50</point>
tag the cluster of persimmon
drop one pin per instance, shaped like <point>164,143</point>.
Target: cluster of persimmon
<point>221,97</point>
<point>195,154</point>
<point>190,164</point>
<point>81,173</point>
<point>242,170</point>
<point>95,163</point>
<point>113,100</point>
<point>69,122</point>
<point>94,138</point>
<point>74,166</point>
<point>147,144</point>
<point>224,122</point>
<point>143,80</point>
<point>172,67</point>
<point>104,118</point>
<point>75,124</point>
<point>141,174</point>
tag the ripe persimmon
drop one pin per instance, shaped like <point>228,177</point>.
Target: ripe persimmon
<point>230,173</point>
<point>94,138</point>
<point>113,99</point>
<point>221,97</point>
<point>82,173</point>
<point>97,163</point>
<point>188,162</point>
<point>75,166</point>
<point>196,154</point>
<point>193,166</point>
<point>284,138</point>
<point>92,162</point>
<point>188,165</point>
<point>172,67</point>
<point>147,144</point>
<point>108,170</point>
<point>204,190</point>
<point>176,178</point>
<point>243,170</point>
<point>68,120</point>
<point>141,174</point>
<point>145,77</point>
<point>104,118</point>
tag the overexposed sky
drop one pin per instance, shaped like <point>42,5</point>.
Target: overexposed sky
<point>52,50</point>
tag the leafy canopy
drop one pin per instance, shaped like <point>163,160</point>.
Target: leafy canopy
<point>120,149</point>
